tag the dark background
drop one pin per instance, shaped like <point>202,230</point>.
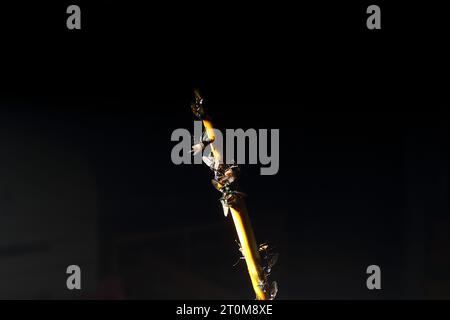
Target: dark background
<point>363,155</point>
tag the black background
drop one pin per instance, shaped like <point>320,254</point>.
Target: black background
<point>363,123</point>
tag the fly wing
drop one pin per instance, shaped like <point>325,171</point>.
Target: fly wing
<point>197,95</point>
<point>205,136</point>
<point>263,247</point>
<point>226,209</point>
<point>228,179</point>
<point>273,290</point>
<point>197,148</point>
<point>216,165</point>
<point>272,261</point>
<point>240,194</point>
<point>209,161</point>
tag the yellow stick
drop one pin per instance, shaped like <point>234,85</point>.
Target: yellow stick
<point>244,232</point>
